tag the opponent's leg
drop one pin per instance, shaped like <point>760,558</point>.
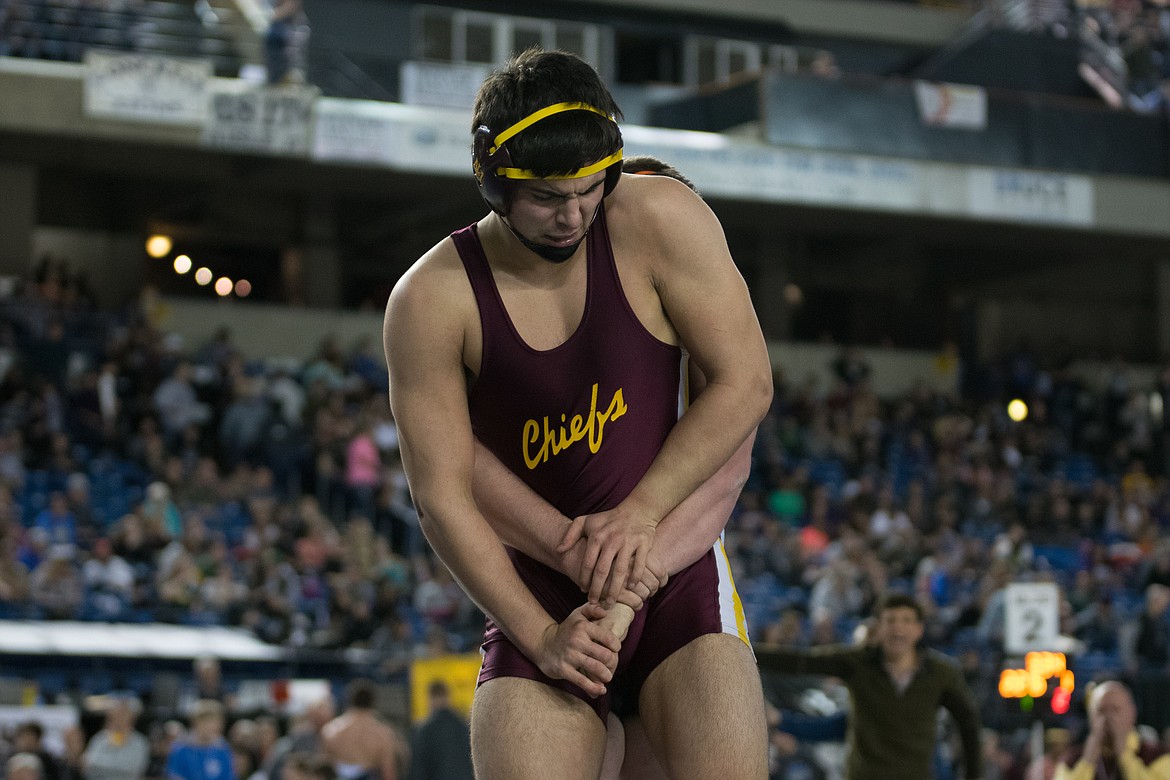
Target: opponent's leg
<point>703,711</point>
<point>640,762</point>
<point>615,748</point>
<point>523,729</point>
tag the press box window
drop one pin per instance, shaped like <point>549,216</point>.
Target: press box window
<point>451,35</point>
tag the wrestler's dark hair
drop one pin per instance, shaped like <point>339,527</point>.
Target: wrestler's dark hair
<point>559,144</point>
<point>645,163</point>
<point>360,694</point>
<point>899,601</point>
<point>311,765</point>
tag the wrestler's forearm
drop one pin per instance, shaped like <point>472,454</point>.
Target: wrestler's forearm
<point>692,528</point>
<point>703,440</point>
<point>525,521</point>
<point>486,574</point>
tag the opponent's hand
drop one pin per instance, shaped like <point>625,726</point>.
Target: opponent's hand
<point>617,544</point>
<point>580,651</point>
<point>638,593</point>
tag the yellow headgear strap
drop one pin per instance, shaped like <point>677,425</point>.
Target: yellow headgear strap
<point>544,113</point>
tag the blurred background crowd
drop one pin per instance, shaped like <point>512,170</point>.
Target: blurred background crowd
<point>143,479</point>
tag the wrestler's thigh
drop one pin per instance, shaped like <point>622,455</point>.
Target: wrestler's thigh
<point>523,729</point>
<point>703,711</point>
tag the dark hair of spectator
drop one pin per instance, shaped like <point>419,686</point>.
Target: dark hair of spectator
<point>899,601</point>
<point>360,694</point>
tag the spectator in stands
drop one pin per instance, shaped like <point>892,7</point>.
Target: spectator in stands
<point>29,739</point>
<point>117,752</point>
<point>1152,640</point>
<point>13,576</point>
<point>178,588</point>
<point>244,422</point>
<point>304,766</point>
<point>359,744</point>
<point>1044,766</point>
<point>12,467</point>
<point>895,689</point>
<point>203,754</point>
<point>303,737</point>
<point>242,739</point>
<point>57,521</point>
<point>363,470</point>
<point>56,585</point>
<point>1098,625</point>
<point>440,746</point>
<point>24,766</point>
<point>208,685</point>
<point>109,580</point>
<point>160,511</point>
<point>177,403</point>
<point>1113,748</point>
<point>439,598</point>
<point>284,41</point>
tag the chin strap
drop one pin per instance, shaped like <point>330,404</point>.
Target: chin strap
<point>553,254</point>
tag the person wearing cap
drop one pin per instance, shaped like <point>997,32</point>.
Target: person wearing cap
<point>117,752</point>
<point>536,364</point>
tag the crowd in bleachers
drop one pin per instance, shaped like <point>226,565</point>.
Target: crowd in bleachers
<point>65,30</point>
<point>1139,31</point>
<point>1134,34</point>
<point>143,479</point>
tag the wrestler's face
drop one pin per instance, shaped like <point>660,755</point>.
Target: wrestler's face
<point>556,212</point>
<point>898,631</point>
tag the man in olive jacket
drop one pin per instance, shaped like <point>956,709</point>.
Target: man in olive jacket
<point>895,690</point>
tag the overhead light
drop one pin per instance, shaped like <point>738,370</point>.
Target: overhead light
<point>182,264</point>
<point>158,245</point>
<point>203,276</point>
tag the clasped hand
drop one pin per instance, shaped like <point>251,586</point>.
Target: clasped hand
<point>617,549</point>
<point>580,650</point>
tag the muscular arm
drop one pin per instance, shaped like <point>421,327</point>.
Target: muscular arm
<point>424,338</point>
<point>706,302</point>
<point>524,520</point>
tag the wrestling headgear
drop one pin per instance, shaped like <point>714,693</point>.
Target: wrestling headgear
<point>492,163</point>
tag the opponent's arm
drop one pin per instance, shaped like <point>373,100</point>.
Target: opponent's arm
<point>707,302</point>
<point>423,338</point>
<point>524,520</point>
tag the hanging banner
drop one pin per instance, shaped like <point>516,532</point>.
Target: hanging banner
<point>356,131</point>
<point>441,84</point>
<point>274,120</point>
<point>956,106</point>
<point>146,88</point>
<point>1030,196</point>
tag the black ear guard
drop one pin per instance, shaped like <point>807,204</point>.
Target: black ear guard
<point>484,163</point>
<point>492,164</point>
